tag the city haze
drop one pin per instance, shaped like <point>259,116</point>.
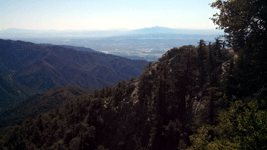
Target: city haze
<point>146,43</point>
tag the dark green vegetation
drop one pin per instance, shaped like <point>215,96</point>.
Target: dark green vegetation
<point>73,47</point>
<point>11,91</point>
<point>204,97</point>
<point>39,103</point>
<point>28,68</point>
<point>155,111</point>
<point>243,123</point>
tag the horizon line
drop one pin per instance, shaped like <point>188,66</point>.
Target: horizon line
<point>113,29</point>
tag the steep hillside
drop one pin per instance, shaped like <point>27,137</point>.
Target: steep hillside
<point>40,67</point>
<point>74,47</point>
<point>11,91</point>
<point>155,111</point>
<point>39,103</point>
<point>194,98</point>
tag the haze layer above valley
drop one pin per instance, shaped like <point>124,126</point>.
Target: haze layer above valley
<point>146,43</point>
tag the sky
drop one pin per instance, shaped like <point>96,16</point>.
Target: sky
<point>105,14</point>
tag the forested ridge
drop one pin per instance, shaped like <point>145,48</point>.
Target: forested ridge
<point>210,96</point>
<point>27,69</point>
<point>37,104</point>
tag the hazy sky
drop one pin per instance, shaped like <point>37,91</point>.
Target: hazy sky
<point>105,14</point>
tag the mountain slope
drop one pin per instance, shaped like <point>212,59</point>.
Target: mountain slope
<point>41,67</point>
<point>155,111</point>
<point>73,47</point>
<point>10,90</point>
<point>34,105</point>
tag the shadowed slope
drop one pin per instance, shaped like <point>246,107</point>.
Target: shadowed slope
<point>42,67</point>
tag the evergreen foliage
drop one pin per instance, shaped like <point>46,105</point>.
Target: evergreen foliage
<point>155,111</point>
<point>204,97</point>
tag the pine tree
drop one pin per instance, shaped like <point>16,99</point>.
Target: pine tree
<point>217,47</point>
<point>201,53</point>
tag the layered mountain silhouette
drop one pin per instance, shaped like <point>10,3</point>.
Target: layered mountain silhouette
<point>28,68</point>
<point>14,33</point>
<point>166,30</point>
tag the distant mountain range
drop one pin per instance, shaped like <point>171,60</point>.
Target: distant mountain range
<point>165,30</point>
<point>23,33</point>
<point>28,68</point>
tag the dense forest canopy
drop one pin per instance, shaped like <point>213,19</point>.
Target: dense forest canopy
<point>209,96</point>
